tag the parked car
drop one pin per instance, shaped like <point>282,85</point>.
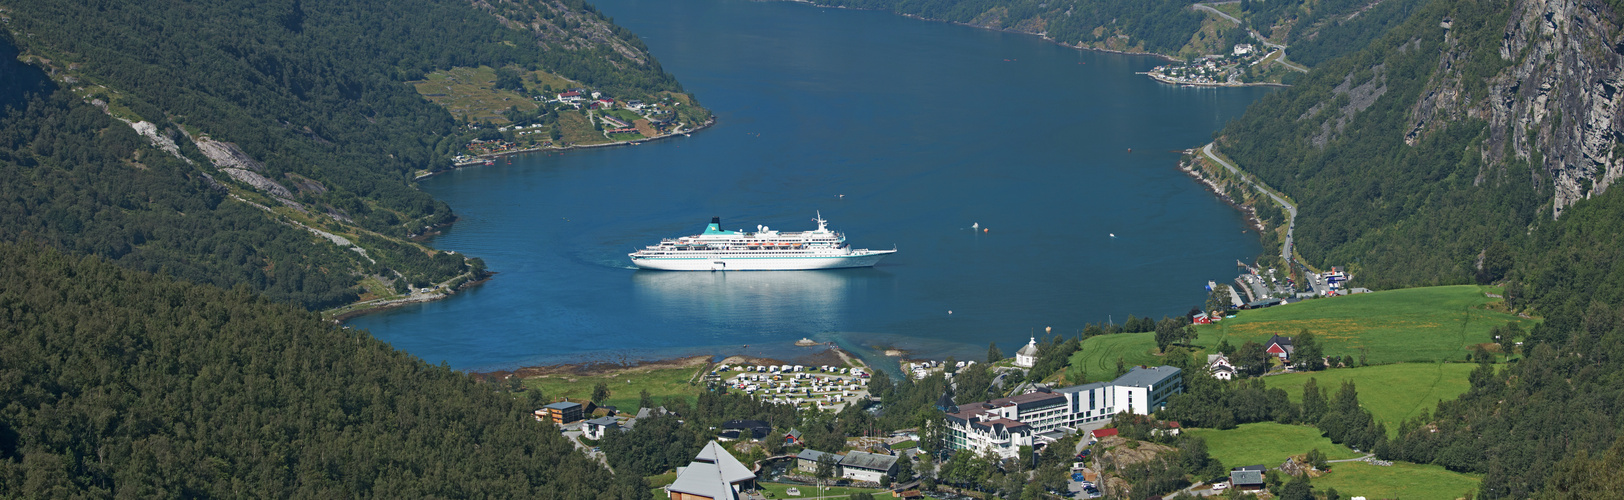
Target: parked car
<point>1220,486</point>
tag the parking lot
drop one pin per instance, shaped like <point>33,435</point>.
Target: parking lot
<point>810,387</point>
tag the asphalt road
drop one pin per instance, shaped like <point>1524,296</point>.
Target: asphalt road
<point>1291,210</point>
<point>1260,38</point>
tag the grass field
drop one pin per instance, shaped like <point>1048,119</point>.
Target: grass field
<point>1401,480</point>
<point>577,129</point>
<point>470,93</point>
<point>1409,325</point>
<point>1267,443</point>
<point>1096,359</point>
<point>624,386</point>
<point>1392,393</point>
<point>1271,444</point>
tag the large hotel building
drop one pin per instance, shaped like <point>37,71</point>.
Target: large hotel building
<point>1001,426</point>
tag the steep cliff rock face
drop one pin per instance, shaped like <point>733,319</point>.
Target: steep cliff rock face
<point>1556,104</point>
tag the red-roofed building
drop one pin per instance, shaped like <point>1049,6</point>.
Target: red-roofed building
<point>1280,347</point>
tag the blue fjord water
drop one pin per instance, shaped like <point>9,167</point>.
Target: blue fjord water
<point>925,128</point>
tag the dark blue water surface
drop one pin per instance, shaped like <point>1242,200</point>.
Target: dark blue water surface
<point>925,128</point>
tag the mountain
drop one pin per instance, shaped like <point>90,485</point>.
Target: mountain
<point>272,144</point>
<point>1477,141</point>
<point>1447,142</point>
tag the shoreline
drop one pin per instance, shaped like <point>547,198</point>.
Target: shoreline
<point>1212,186</point>
<point>831,355</point>
<point>1164,79</point>
<point>1043,36</point>
<point>493,156</point>
<point>386,305</point>
<point>340,318</point>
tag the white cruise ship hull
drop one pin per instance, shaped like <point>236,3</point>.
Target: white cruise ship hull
<point>800,262</point>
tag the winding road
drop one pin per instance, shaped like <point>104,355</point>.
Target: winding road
<point>1260,38</point>
<point>1291,210</point>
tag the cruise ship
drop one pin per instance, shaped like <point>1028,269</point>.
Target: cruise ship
<point>762,250</point>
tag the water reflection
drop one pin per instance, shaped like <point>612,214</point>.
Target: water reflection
<point>767,301</point>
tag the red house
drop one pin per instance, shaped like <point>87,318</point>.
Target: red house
<point>1280,347</point>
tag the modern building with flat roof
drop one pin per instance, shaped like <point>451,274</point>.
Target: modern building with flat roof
<point>1001,426</point>
<point>564,412</point>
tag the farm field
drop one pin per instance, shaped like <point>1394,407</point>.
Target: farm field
<point>1423,325</point>
<point>470,94</point>
<point>1267,443</point>
<point>1409,325</point>
<point>1271,444</point>
<point>624,385</point>
<point>1401,480</point>
<point>1392,393</point>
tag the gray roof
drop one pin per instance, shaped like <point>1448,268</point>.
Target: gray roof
<point>703,479</point>
<point>563,405</point>
<point>870,461</point>
<point>732,470</point>
<point>1030,349</point>
<point>813,455</point>
<point>1145,377</point>
<point>1240,477</point>
<point>604,421</point>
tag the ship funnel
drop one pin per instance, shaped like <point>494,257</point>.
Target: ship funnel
<point>716,220</point>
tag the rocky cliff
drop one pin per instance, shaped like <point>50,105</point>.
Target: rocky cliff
<point>1555,103</point>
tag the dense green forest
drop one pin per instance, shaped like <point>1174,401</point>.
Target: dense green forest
<point>1315,30</point>
<point>128,384</point>
<point>83,182</point>
<point>316,95</point>
<point>1161,26</point>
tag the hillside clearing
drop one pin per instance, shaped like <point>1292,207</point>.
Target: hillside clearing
<point>1392,393</point>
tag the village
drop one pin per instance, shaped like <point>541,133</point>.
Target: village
<point>1222,70</point>
<point>611,121</point>
<point>1039,424</point>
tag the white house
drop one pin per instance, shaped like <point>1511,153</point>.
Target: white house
<point>1027,357</point>
<point>594,429</point>
<point>1220,367</point>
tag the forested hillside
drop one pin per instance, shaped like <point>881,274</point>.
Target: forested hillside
<point>1316,29</point>
<point>1429,156</point>
<point>1476,142</point>
<point>238,113</point>
<point>128,384</point>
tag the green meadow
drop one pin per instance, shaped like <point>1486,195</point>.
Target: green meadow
<point>1426,325</point>
<point>1392,393</point>
<point>625,386</point>
<point>1267,443</point>
<point>1271,444</point>
<point>1401,480</point>
<point>1410,325</point>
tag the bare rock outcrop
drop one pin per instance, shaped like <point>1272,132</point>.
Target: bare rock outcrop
<point>1556,105</point>
<point>234,162</point>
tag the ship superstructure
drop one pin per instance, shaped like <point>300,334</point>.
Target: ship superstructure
<point>761,250</point>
